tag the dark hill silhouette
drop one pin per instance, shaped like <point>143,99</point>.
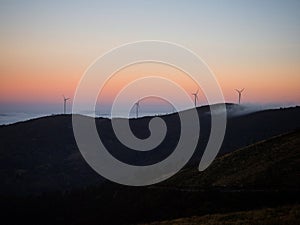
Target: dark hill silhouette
<point>41,155</point>
<point>252,179</point>
<point>277,215</point>
<point>269,164</point>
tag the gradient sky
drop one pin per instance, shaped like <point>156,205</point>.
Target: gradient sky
<point>47,45</point>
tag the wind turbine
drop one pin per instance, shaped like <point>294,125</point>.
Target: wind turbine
<point>137,106</point>
<point>195,97</point>
<point>65,102</point>
<point>240,94</point>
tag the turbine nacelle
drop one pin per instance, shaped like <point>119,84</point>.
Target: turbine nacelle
<point>240,91</point>
<point>66,99</point>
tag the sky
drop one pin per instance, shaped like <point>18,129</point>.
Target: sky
<point>46,46</point>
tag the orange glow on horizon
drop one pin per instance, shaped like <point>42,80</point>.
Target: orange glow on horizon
<point>46,83</point>
<point>47,46</point>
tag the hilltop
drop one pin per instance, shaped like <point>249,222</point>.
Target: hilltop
<point>41,155</point>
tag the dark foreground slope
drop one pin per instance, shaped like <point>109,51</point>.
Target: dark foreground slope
<point>268,164</point>
<point>232,187</point>
<point>287,215</point>
<point>41,155</point>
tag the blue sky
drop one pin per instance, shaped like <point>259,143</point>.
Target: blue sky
<point>252,44</point>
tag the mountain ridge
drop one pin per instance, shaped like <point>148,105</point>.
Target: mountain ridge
<point>41,155</point>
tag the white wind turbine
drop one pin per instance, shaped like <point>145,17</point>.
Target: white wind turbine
<point>65,102</point>
<point>137,107</point>
<point>240,94</point>
<point>195,97</point>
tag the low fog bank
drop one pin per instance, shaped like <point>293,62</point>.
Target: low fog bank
<point>234,110</point>
<point>238,110</point>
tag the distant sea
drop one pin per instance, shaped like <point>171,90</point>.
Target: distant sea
<point>13,117</point>
<point>8,117</point>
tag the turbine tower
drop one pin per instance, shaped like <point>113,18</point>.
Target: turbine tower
<point>195,97</point>
<point>65,102</point>
<point>137,106</point>
<point>240,94</point>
